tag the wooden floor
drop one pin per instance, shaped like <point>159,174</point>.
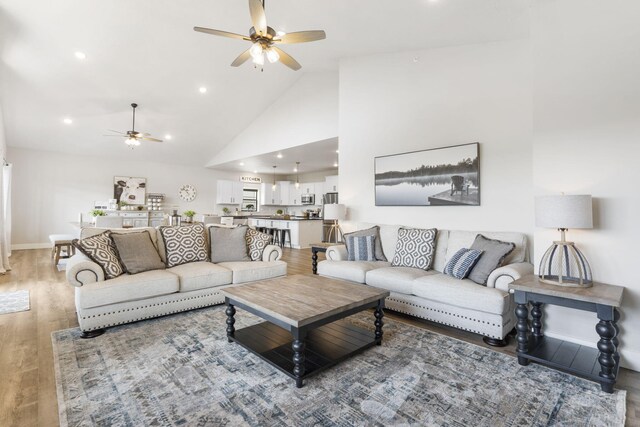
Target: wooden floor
<point>27,381</point>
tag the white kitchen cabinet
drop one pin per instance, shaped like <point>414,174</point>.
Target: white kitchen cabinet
<point>283,196</point>
<point>229,192</point>
<point>135,219</point>
<point>295,195</point>
<point>269,196</point>
<point>308,188</point>
<point>331,184</point>
<point>318,187</point>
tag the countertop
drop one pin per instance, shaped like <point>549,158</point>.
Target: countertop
<point>275,218</point>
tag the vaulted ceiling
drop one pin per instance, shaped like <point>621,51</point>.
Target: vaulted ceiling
<point>145,51</point>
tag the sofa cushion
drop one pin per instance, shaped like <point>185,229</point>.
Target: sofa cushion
<point>375,233</point>
<point>360,248</point>
<point>101,250</point>
<point>201,275</point>
<point>228,244</point>
<point>184,244</point>
<point>137,252</point>
<point>493,254</point>
<point>127,288</point>
<point>415,248</point>
<point>354,271</point>
<point>461,293</point>
<point>249,271</point>
<point>92,231</point>
<point>395,279</point>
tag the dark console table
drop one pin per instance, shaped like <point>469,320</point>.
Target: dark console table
<point>601,364</point>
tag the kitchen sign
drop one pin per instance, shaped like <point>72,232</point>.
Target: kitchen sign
<point>251,179</point>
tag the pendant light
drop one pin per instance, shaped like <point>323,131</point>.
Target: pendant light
<point>273,187</point>
<point>297,174</point>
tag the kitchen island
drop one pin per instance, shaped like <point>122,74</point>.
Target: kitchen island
<point>303,231</point>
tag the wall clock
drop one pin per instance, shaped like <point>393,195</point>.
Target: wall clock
<point>187,193</point>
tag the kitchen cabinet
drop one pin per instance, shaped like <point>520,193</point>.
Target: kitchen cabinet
<point>269,196</point>
<point>303,232</point>
<point>229,192</point>
<point>331,184</point>
<point>135,219</point>
<point>308,188</point>
<point>284,187</point>
<point>295,195</point>
<point>156,219</point>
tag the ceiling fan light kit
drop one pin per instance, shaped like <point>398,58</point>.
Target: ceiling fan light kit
<point>264,39</point>
<point>133,138</point>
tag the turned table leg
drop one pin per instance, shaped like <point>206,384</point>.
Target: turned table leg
<point>536,319</point>
<point>230,311</point>
<point>379,322</point>
<point>607,347</point>
<point>314,260</point>
<point>298,345</point>
<point>522,326</point>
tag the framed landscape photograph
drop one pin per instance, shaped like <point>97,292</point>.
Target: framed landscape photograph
<point>447,176</point>
<point>131,190</point>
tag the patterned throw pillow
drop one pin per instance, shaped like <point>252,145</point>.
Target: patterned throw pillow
<point>375,232</point>
<point>461,263</point>
<point>101,250</point>
<point>256,242</point>
<point>184,244</point>
<point>361,248</point>
<point>415,248</point>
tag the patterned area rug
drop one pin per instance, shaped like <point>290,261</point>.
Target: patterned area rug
<point>12,302</point>
<point>180,370</point>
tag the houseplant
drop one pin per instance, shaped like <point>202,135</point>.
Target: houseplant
<point>226,211</point>
<point>96,212</point>
<point>189,215</point>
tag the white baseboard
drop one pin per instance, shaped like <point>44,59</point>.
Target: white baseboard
<point>22,246</point>
<point>630,359</point>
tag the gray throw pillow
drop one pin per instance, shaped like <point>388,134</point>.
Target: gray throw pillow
<point>137,252</point>
<point>493,253</point>
<point>373,231</point>
<point>228,244</point>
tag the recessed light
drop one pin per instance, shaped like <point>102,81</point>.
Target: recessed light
<point>67,121</point>
<point>279,155</point>
<point>255,171</point>
<point>295,169</point>
<point>337,151</point>
<point>241,163</point>
<point>80,55</point>
<point>203,89</point>
<point>335,165</point>
<point>167,136</point>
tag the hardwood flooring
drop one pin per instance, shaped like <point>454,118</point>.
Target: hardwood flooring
<point>27,381</point>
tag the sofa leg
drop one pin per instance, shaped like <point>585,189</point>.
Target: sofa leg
<point>92,334</point>
<point>494,342</point>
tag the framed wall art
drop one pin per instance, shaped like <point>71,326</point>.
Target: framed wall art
<point>129,189</point>
<point>447,176</point>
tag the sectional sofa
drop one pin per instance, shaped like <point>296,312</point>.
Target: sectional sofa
<point>486,310</point>
<point>103,303</point>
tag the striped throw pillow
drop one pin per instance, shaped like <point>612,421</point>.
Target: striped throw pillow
<point>360,248</point>
<point>462,262</point>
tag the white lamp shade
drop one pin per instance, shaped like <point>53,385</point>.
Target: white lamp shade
<point>562,211</point>
<point>335,211</point>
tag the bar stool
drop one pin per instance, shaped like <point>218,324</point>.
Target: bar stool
<point>284,233</point>
<point>62,247</point>
<point>275,237</point>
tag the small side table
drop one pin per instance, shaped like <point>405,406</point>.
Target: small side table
<point>315,248</point>
<point>600,364</point>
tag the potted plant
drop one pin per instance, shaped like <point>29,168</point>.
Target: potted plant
<point>189,215</point>
<point>123,205</point>
<point>226,211</point>
<point>96,212</point>
<point>279,212</point>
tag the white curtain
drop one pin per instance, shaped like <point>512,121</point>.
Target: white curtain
<point>5,218</point>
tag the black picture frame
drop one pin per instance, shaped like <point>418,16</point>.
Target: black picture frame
<point>442,176</point>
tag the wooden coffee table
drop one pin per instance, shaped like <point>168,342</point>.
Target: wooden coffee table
<point>305,330</point>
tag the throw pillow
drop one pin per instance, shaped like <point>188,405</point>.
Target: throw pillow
<point>137,252</point>
<point>415,248</point>
<point>184,244</point>
<point>228,244</point>
<point>360,248</point>
<point>494,252</point>
<point>256,242</point>
<point>461,263</point>
<point>101,250</point>
<point>375,232</point>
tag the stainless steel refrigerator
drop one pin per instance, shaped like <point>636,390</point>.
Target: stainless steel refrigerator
<point>327,199</point>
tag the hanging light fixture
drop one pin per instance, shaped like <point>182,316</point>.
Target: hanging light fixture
<point>273,187</point>
<point>272,55</point>
<point>297,174</point>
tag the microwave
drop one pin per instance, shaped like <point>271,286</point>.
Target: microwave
<point>308,199</point>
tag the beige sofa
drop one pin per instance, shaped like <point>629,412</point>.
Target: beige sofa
<point>486,310</point>
<point>103,303</point>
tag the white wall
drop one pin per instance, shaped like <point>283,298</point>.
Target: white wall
<point>51,189</point>
<point>587,141</point>
<point>391,104</point>
<point>307,112</point>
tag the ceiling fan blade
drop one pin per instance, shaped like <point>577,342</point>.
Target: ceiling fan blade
<point>116,131</point>
<point>220,33</point>
<point>301,37</point>
<point>242,58</point>
<point>287,59</point>
<point>148,138</point>
<point>258,18</point>
<point>117,136</point>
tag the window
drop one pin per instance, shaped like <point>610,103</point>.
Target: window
<point>249,200</point>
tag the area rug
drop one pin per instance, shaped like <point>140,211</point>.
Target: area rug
<point>12,302</point>
<point>181,371</point>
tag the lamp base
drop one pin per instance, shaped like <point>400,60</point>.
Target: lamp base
<point>564,265</point>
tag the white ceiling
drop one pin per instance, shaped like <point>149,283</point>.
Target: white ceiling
<point>145,51</point>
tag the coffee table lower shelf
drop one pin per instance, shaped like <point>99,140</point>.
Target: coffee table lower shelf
<point>325,346</point>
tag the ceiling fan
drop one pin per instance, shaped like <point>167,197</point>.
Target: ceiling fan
<point>132,137</point>
<point>264,39</point>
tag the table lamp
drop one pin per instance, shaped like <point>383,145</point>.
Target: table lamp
<point>563,264</point>
<point>335,212</point>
